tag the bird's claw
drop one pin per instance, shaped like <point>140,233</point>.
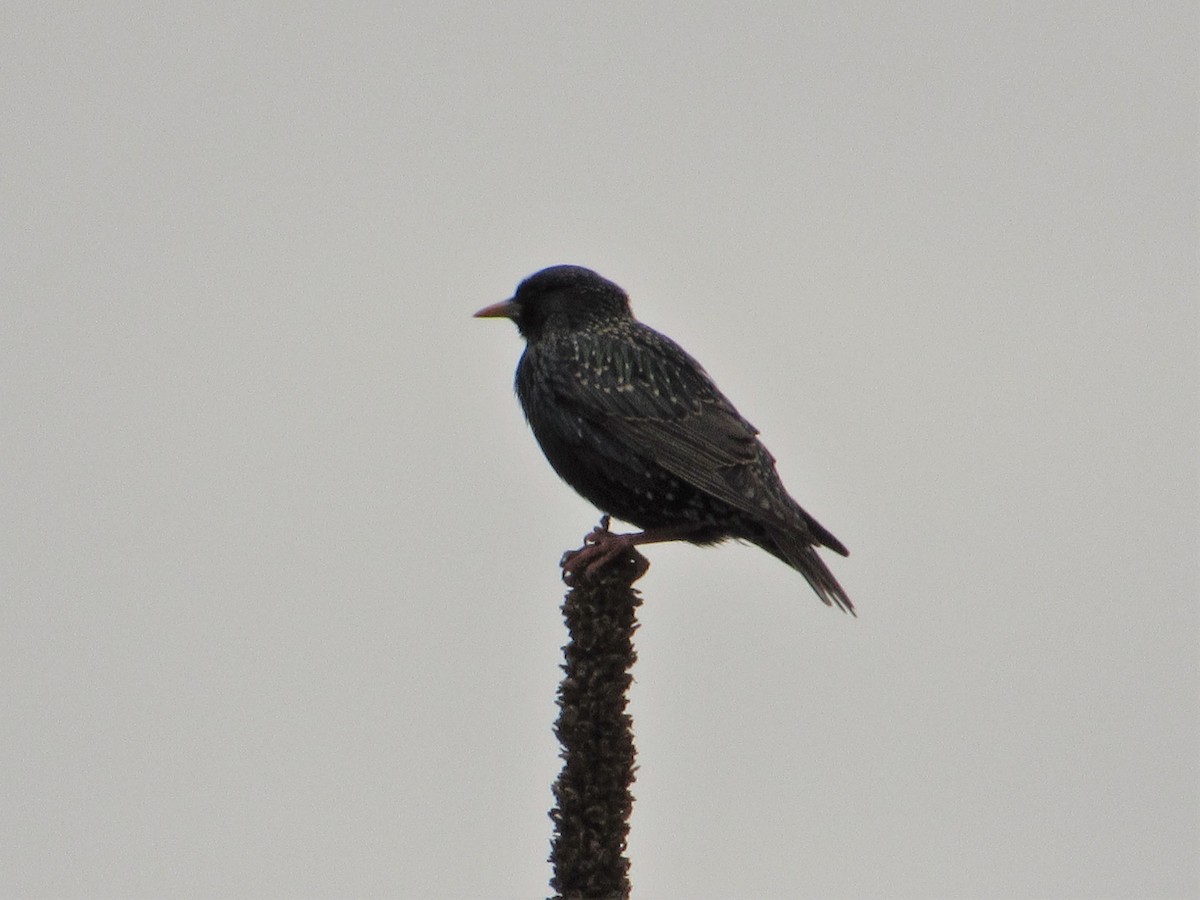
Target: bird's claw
<point>600,548</point>
<point>598,534</point>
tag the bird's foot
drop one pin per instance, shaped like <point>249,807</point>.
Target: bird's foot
<point>601,548</point>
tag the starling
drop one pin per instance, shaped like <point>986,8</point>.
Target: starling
<point>634,424</point>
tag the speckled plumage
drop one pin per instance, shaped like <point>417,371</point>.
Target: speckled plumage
<point>635,425</point>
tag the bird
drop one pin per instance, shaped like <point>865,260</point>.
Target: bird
<point>637,427</point>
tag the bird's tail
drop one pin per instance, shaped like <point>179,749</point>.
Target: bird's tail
<point>797,550</point>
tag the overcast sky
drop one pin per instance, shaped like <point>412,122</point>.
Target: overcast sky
<point>280,604</point>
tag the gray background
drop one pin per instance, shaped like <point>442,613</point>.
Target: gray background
<point>280,599</point>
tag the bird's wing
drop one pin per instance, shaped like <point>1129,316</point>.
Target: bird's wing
<point>649,394</point>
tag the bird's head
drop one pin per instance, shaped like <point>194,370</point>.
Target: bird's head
<point>561,298</point>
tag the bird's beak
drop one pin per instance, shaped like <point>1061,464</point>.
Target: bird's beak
<point>505,309</point>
